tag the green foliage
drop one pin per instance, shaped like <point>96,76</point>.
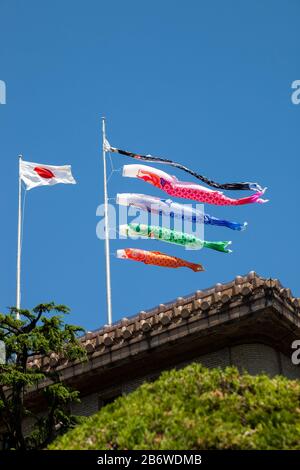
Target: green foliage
<point>196,408</point>
<point>36,333</point>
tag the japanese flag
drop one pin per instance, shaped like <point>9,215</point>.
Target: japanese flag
<point>37,174</point>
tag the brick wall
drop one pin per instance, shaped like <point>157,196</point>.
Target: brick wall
<point>256,358</point>
<point>253,357</point>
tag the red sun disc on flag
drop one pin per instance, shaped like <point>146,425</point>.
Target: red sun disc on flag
<point>44,172</point>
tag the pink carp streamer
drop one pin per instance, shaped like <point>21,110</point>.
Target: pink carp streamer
<point>157,258</point>
<point>172,186</point>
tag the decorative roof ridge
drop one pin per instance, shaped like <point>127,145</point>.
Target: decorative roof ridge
<point>205,301</point>
<point>252,279</point>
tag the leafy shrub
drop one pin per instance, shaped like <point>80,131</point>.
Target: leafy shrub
<point>196,408</point>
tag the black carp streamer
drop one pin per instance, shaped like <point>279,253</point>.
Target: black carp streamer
<point>149,158</point>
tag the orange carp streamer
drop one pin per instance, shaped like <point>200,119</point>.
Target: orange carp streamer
<point>157,258</point>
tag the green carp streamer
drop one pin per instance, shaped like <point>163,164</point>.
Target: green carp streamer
<point>172,236</point>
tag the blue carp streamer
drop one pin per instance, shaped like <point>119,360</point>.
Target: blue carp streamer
<point>173,209</point>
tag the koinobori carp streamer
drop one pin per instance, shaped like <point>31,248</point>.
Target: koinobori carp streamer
<point>167,207</point>
<point>149,158</point>
<point>171,236</point>
<point>157,258</point>
<point>172,186</point>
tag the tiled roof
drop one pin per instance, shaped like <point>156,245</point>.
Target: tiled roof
<point>207,302</point>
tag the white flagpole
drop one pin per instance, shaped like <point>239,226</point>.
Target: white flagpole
<point>107,253</point>
<point>18,300</point>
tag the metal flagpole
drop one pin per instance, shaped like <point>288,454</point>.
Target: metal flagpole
<point>107,253</point>
<point>18,300</point>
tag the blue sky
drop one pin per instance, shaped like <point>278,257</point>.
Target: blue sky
<point>207,84</point>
